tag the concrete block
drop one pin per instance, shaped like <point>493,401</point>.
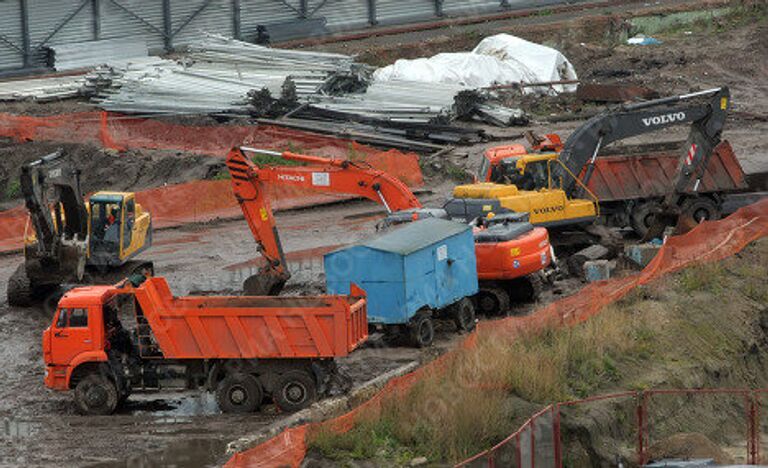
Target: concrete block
<point>641,254</point>
<point>598,270</point>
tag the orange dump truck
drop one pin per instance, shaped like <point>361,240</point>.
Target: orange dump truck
<point>106,342</point>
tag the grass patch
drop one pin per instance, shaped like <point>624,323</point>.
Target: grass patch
<point>13,190</point>
<point>701,21</point>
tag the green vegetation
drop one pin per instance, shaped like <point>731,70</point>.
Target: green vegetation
<point>13,190</point>
<point>272,160</point>
<point>667,332</point>
<point>701,21</point>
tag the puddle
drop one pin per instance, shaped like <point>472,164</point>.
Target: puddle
<point>186,453</point>
<point>170,409</point>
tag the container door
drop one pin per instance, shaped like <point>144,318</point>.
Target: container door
<point>445,276</point>
<point>70,335</point>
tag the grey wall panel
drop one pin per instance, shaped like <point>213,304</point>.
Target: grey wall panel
<point>397,11</point>
<point>53,23</point>
<point>256,12</point>
<point>216,17</point>
<point>116,22</point>
<point>470,7</point>
<point>10,28</point>
<point>342,14</point>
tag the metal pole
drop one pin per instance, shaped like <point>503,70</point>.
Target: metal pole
<point>372,13</point>
<point>303,8</point>
<point>438,7</point>
<point>96,13</point>
<point>25,41</point>
<point>236,31</point>
<point>167,25</point>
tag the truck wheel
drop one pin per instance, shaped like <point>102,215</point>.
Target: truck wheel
<point>294,391</point>
<point>700,209</point>
<point>96,395</point>
<point>492,301</point>
<point>422,330</point>
<point>19,288</point>
<point>463,314</point>
<point>642,216</point>
<point>239,393</point>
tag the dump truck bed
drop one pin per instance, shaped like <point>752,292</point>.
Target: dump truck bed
<point>222,327</point>
<point>651,174</point>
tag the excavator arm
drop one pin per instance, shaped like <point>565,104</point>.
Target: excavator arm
<point>52,174</point>
<point>706,119</point>
<point>250,193</point>
<point>329,175</point>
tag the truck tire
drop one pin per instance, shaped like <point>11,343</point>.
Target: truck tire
<point>492,301</point>
<point>239,393</point>
<point>463,315</point>
<point>422,330</point>
<point>294,391</point>
<point>701,209</point>
<point>96,395</point>
<point>20,288</point>
<point>642,216</point>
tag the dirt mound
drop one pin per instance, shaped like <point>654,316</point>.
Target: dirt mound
<point>104,169</point>
<point>687,446</point>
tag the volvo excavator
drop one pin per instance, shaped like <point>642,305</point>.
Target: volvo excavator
<point>69,240</point>
<point>555,184</point>
<point>510,255</point>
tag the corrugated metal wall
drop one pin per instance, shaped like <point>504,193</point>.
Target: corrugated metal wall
<point>10,35</point>
<point>72,21</point>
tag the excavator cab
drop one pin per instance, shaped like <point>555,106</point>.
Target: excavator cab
<point>118,228</point>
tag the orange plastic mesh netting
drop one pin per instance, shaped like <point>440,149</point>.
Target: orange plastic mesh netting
<point>199,200</point>
<point>709,241</point>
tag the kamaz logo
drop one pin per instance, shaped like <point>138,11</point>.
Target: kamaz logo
<point>548,209</point>
<point>664,119</point>
<point>290,178</point>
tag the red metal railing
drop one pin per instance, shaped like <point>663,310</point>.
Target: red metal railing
<point>539,441</point>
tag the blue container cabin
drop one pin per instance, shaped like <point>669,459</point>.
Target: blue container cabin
<point>425,264</point>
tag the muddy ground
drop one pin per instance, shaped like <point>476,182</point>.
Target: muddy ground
<point>38,427</point>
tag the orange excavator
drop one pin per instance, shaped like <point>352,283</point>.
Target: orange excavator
<point>510,254</point>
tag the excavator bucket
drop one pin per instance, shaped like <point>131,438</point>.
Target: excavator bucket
<point>265,283</point>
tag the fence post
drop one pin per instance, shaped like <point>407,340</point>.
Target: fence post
<point>641,414</point>
<point>753,443</point>
<point>556,435</point>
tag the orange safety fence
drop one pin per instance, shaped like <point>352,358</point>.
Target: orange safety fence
<point>122,132</point>
<point>710,241</point>
<point>199,200</point>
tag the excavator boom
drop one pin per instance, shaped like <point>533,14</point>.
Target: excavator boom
<point>249,190</point>
<point>706,119</point>
<point>250,181</point>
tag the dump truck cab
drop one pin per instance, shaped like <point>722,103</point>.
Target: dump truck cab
<point>76,341</point>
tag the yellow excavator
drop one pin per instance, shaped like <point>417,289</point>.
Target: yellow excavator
<point>70,241</point>
<point>553,186</point>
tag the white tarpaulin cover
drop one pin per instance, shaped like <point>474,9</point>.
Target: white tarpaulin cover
<point>500,59</point>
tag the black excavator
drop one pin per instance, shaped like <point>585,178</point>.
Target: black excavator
<point>68,240</point>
